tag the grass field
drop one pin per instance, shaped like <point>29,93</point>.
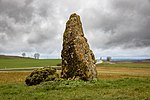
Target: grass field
<point>13,77</point>
<point>103,73</point>
<point>120,89</point>
<point>119,81</point>
<point>26,62</point>
<point>131,64</point>
<point>113,83</point>
<point>16,62</point>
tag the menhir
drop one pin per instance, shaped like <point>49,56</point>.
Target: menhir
<point>78,61</point>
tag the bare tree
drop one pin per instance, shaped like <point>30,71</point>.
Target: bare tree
<point>108,58</point>
<point>23,54</point>
<point>36,55</point>
<point>100,58</point>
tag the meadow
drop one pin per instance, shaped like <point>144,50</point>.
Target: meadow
<point>27,62</point>
<point>118,89</point>
<point>129,64</point>
<point>121,81</point>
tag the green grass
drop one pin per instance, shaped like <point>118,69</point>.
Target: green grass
<point>25,62</point>
<point>122,89</point>
<point>129,65</point>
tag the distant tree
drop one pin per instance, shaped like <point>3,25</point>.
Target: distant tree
<point>108,58</point>
<point>100,58</point>
<point>23,54</point>
<point>36,55</point>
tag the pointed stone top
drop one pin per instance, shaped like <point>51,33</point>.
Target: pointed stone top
<point>73,15</point>
<point>74,25</point>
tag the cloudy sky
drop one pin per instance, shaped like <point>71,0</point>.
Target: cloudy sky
<point>112,27</point>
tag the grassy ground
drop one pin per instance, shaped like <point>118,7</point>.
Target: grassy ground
<point>122,81</point>
<point>111,85</point>
<point>25,62</point>
<point>120,89</point>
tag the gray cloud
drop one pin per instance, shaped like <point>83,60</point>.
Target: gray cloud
<point>110,26</point>
<point>134,31</point>
<point>20,10</point>
<point>125,24</point>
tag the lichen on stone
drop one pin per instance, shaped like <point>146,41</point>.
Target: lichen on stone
<point>78,60</point>
<point>41,75</point>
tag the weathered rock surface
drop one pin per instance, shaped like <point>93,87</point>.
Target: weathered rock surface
<point>41,75</point>
<point>78,61</point>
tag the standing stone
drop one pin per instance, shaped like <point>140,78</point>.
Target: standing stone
<point>78,61</point>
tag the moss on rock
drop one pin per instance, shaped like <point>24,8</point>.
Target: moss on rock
<point>41,75</point>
